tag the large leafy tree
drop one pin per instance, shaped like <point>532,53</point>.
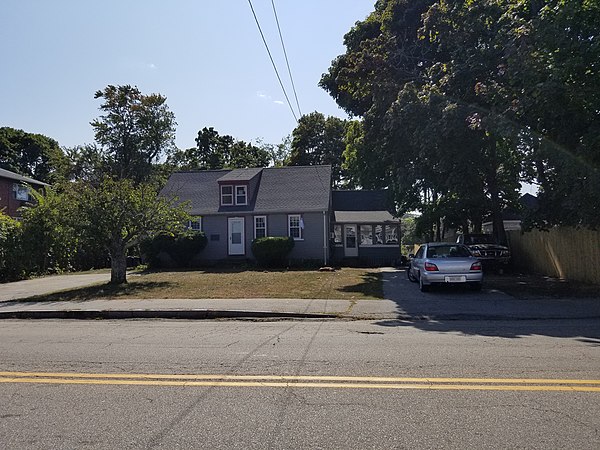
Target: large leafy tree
<point>30,154</point>
<point>117,214</point>
<point>320,140</point>
<point>134,132</point>
<point>461,100</point>
<point>215,151</point>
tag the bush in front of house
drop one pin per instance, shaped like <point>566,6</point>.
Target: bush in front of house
<point>180,249</point>
<point>272,251</point>
<point>11,233</point>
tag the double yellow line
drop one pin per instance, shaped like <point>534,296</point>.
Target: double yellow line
<point>304,381</point>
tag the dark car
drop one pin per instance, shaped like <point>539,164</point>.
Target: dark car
<point>483,246</point>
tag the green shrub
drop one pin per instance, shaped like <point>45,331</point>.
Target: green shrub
<point>181,248</point>
<point>272,251</point>
<point>11,267</point>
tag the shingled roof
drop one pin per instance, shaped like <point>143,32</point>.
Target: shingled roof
<point>362,207</point>
<point>280,190</point>
<point>16,177</point>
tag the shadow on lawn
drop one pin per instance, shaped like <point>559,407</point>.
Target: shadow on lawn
<point>370,286</point>
<point>97,291</point>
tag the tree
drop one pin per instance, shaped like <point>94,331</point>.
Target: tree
<point>459,101</point>
<point>135,131</point>
<point>214,151</point>
<point>50,237</point>
<point>30,154</point>
<point>11,266</point>
<point>118,214</point>
<point>320,140</point>
<point>279,155</point>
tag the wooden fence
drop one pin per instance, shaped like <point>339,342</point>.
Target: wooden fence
<point>565,253</point>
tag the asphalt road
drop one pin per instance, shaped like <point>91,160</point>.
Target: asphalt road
<point>163,384</point>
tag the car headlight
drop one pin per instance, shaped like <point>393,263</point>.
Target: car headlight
<point>505,253</point>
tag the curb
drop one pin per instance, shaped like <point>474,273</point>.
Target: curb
<point>189,314</point>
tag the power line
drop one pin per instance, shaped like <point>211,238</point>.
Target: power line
<point>272,61</point>
<point>286,57</point>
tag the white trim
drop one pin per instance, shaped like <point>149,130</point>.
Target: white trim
<point>300,228</point>
<point>260,217</point>
<point>195,219</point>
<point>242,245</point>
<point>232,195</point>
<point>235,194</point>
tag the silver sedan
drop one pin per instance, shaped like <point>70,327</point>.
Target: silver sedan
<point>443,262</point>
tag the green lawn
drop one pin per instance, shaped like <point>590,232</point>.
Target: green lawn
<point>346,283</point>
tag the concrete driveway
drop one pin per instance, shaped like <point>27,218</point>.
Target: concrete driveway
<point>47,285</point>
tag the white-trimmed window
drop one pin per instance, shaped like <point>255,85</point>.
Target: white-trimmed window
<point>296,227</point>
<point>366,235</point>
<point>391,234</point>
<point>260,226</point>
<point>195,224</point>
<point>241,195</point>
<point>337,234</point>
<point>21,192</point>
<point>227,195</point>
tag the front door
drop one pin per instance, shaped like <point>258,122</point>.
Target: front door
<point>350,241</point>
<point>236,236</point>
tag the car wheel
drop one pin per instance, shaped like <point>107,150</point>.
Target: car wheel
<point>475,286</point>
<point>423,287</point>
<point>410,275</point>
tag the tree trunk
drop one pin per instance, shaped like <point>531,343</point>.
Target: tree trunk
<point>496,205</point>
<point>118,265</point>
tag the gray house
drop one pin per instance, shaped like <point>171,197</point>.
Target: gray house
<point>234,207</point>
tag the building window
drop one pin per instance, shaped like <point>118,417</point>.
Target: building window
<point>378,234</point>
<point>391,234</point>
<point>195,224</point>
<point>366,235</point>
<point>260,226</point>
<point>226,195</point>
<point>337,234</point>
<point>21,192</point>
<point>296,227</point>
<point>241,198</point>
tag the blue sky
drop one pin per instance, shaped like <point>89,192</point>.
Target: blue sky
<point>206,57</point>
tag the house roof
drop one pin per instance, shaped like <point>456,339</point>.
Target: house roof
<point>240,174</point>
<point>15,176</point>
<point>280,190</point>
<point>362,207</point>
<point>364,217</point>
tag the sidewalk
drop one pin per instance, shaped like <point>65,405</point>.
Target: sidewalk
<point>403,301</point>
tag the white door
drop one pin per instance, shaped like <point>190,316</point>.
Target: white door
<point>350,241</point>
<point>236,236</point>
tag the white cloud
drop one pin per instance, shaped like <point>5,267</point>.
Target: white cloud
<point>151,66</point>
<point>263,95</point>
<point>278,102</point>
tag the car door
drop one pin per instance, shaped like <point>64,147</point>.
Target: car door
<point>417,261</point>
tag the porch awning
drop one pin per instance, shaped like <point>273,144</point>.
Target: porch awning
<point>364,217</point>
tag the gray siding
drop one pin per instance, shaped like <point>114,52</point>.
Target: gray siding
<point>310,248</point>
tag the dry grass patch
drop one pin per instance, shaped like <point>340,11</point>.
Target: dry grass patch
<point>347,283</point>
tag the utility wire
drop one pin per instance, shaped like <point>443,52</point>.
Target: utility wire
<point>272,62</point>
<point>286,58</point>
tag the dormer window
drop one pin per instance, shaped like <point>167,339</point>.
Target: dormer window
<point>241,196</point>
<point>234,195</point>
<point>226,195</point>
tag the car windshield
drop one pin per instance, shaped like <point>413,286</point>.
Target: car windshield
<point>481,239</point>
<point>448,251</point>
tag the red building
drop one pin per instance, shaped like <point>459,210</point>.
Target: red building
<point>15,191</point>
